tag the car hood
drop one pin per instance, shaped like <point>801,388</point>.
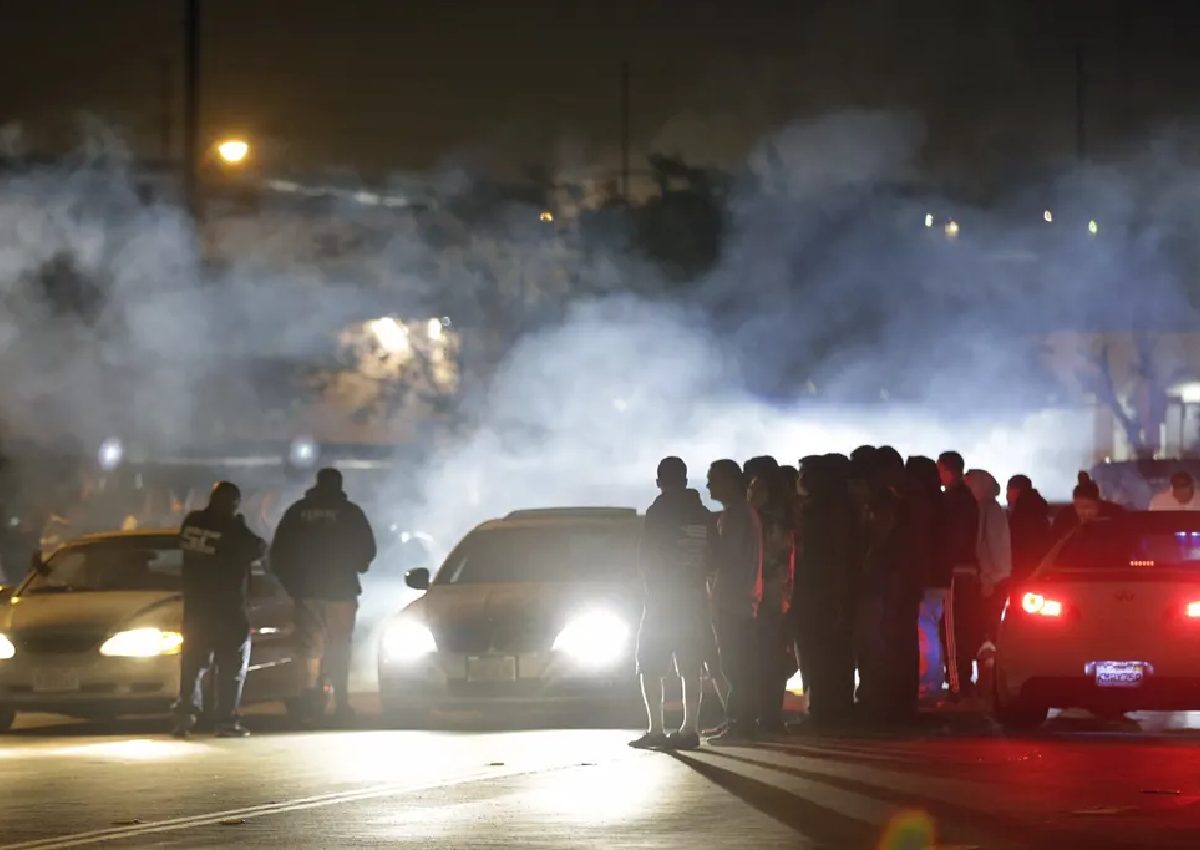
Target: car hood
<point>513,617</point>
<point>88,611</point>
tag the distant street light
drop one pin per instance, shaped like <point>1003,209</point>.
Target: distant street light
<point>233,151</point>
<point>546,217</point>
<point>1049,216</point>
<point>1093,228</point>
<point>929,219</point>
<point>952,229</point>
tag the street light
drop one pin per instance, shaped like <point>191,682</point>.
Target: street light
<point>233,151</point>
<point>1093,228</point>
<point>1048,216</point>
<point>952,229</point>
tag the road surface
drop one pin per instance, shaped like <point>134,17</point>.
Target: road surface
<point>126,785</point>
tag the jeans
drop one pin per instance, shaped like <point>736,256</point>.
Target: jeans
<point>205,642</point>
<point>737,642</point>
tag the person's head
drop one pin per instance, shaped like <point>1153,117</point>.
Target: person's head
<point>950,468</point>
<point>983,486</point>
<point>1086,498</point>
<point>329,480</point>
<point>790,476</point>
<point>225,498</point>
<point>1018,485</point>
<point>726,484</point>
<point>672,474</point>
<point>863,461</point>
<point>773,492</point>
<point>922,473</point>
<point>1183,487</point>
<point>759,467</point>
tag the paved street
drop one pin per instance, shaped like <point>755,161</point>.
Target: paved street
<point>126,785</point>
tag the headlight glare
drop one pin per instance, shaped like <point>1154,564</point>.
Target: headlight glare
<point>594,639</point>
<point>142,643</point>
<point>7,650</point>
<point>406,639</point>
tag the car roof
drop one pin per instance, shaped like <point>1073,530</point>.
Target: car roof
<point>565,518</point>
<point>108,536</point>
<point>1185,521</point>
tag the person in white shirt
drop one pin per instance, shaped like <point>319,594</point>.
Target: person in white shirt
<point>1181,497</point>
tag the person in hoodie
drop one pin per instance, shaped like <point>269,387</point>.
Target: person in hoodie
<point>823,601</point>
<point>1028,525</point>
<point>1086,506</point>
<point>322,545</point>
<point>960,533</point>
<point>994,549</point>
<point>736,590</point>
<point>771,495</point>
<point>1180,496</point>
<point>676,631</point>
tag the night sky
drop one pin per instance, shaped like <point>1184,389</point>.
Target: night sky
<point>380,85</point>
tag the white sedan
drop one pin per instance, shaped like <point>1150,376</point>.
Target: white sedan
<point>94,632</point>
<point>1110,622</point>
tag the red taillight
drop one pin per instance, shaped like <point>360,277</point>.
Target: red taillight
<point>1193,610</point>
<point>1035,603</point>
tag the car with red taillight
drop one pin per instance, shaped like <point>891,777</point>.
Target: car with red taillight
<point>1109,622</point>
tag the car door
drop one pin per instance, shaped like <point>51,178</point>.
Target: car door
<point>272,674</point>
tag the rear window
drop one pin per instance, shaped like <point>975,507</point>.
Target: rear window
<point>1118,546</point>
<point>549,554</point>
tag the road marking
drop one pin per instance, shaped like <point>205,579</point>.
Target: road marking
<point>299,804</point>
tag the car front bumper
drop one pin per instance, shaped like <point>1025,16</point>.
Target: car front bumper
<point>89,683</point>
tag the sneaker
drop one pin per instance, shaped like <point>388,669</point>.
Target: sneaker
<point>234,729</point>
<point>682,741</point>
<point>719,729</point>
<point>650,741</point>
<point>732,737</point>
<point>181,727</point>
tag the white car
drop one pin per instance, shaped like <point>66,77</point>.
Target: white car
<point>1109,622</point>
<point>94,631</point>
<point>536,610</point>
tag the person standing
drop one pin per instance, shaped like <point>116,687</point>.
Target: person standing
<point>218,551</point>
<point>736,590</point>
<point>771,497</point>
<point>322,545</point>
<point>1180,496</point>
<point>994,549</point>
<point>924,669</point>
<point>1028,526</point>
<point>676,630</point>
<point>960,532</point>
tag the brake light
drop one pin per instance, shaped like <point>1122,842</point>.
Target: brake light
<point>1035,603</point>
<point>1193,610</point>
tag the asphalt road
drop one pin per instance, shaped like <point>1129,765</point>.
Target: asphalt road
<point>126,785</point>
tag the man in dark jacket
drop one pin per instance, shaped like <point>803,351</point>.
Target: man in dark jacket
<point>676,631</point>
<point>218,550</point>
<point>735,566</point>
<point>1028,525</point>
<point>960,540</point>
<point>321,546</point>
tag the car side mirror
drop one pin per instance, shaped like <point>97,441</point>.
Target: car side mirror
<point>417,579</point>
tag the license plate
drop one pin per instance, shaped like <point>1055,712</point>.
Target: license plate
<point>55,681</point>
<point>492,668</point>
<point>1119,674</point>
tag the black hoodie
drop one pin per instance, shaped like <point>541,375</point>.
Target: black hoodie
<point>323,542</point>
<point>1029,527</point>
<point>671,557</point>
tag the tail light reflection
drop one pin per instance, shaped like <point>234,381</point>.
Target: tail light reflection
<point>1035,603</point>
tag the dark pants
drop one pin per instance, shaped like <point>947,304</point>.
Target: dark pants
<point>205,642</point>
<point>775,667</point>
<point>902,649</point>
<point>964,630</point>
<point>826,647</point>
<point>737,642</point>
<point>870,636</point>
<point>993,607</point>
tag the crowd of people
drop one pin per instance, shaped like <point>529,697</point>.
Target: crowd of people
<point>828,568</point>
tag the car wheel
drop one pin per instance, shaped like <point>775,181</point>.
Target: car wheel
<point>7,716</point>
<point>1018,716</point>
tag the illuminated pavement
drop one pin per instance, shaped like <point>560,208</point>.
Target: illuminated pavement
<point>127,785</point>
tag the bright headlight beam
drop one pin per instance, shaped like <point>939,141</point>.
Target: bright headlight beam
<point>142,643</point>
<point>406,639</point>
<point>7,650</point>
<point>594,639</point>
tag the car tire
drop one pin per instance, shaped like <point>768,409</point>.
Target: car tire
<point>1018,716</point>
<point>7,717</point>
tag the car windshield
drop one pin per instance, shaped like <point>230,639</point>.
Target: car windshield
<point>542,554</point>
<point>1124,545</point>
<point>128,563</point>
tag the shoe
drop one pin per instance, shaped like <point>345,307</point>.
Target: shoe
<point>232,730</point>
<point>682,741</point>
<point>731,737</point>
<point>719,729</point>
<point>650,741</point>
<point>181,727</point>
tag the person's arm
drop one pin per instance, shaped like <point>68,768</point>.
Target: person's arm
<point>363,540</point>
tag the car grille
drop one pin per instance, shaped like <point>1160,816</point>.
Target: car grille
<point>501,636</point>
<point>57,643</point>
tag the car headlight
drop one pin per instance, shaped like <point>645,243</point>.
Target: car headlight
<point>406,639</point>
<point>142,643</point>
<point>7,650</point>
<point>594,639</point>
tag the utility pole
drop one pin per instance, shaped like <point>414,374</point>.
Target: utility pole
<point>625,130</point>
<point>191,105</point>
<point>1080,101</point>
